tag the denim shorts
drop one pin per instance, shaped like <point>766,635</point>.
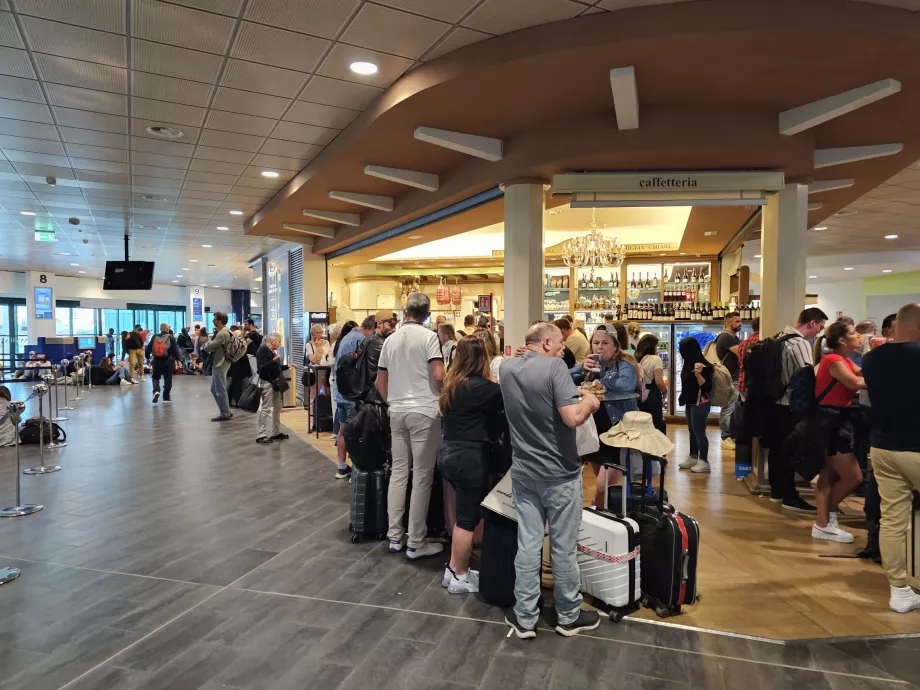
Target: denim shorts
<point>341,415</point>
<point>464,465</point>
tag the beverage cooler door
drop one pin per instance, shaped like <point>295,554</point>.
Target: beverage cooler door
<point>703,333</point>
<point>662,331</point>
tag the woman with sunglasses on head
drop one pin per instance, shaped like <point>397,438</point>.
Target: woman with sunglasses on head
<point>618,373</point>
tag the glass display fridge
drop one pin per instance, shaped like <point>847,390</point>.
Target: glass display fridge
<point>662,331</point>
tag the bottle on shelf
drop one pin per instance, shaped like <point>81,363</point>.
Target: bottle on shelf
<point>582,282</point>
<point>632,281</point>
<point>648,282</point>
<point>655,281</point>
<point>591,279</point>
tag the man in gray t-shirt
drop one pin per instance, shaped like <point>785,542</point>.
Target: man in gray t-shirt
<point>543,408</point>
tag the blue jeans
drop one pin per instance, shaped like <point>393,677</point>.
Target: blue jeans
<point>219,389</point>
<point>696,423</point>
<point>116,378</point>
<point>342,410</point>
<point>725,416</point>
<point>560,505</point>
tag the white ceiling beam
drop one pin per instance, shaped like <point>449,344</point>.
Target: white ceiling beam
<point>471,144</point>
<point>824,158</point>
<point>625,97</point>
<point>807,116</point>
<point>381,203</point>
<point>419,180</point>
<point>317,230</point>
<point>815,206</point>
<point>830,185</point>
<point>352,219</point>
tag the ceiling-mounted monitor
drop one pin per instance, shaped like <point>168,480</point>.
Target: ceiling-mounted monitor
<point>128,275</point>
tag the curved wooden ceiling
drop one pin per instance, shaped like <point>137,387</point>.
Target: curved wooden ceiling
<point>712,78</point>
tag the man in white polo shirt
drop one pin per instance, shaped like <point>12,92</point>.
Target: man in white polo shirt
<point>409,379</point>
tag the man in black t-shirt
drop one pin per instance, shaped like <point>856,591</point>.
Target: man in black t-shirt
<point>253,337</point>
<point>892,374</point>
<point>727,350</point>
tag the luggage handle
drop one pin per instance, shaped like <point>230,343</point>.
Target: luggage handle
<point>621,468</point>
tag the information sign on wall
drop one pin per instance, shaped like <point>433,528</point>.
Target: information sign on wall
<point>44,305</point>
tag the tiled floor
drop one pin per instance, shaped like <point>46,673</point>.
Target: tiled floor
<point>176,553</point>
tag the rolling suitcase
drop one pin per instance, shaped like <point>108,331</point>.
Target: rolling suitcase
<point>637,492</point>
<point>608,557</point>
<point>496,568</point>
<point>368,504</point>
<point>670,543</point>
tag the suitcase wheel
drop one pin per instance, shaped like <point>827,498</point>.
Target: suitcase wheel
<point>356,539</point>
<point>380,536</point>
<point>616,616</point>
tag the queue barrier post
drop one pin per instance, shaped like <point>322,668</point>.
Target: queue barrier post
<point>47,378</point>
<point>756,481</point>
<point>15,410</point>
<point>79,386</point>
<point>64,365</point>
<point>40,391</point>
<point>57,400</point>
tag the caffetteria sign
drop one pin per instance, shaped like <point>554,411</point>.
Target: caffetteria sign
<point>688,181</point>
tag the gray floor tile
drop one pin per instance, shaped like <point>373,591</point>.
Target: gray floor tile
<point>465,641</point>
<point>517,673</point>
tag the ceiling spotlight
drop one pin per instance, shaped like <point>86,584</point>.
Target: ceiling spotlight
<point>162,132</point>
<point>662,254</point>
<point>81,271</point>
<point>222,227</point>
<point>194,261</point>
<point>847,268</point>
<point>891,237</point>
<point>683,253</point>
<point>710,233</point>
<point>184,269</point>
<point>206,246</point>
<point>757,256</point>
<point>27,213</point>
<point>820,228</point>
<point>178,275</point>
<point>363,68</point>
<point>52,181</point>
<point>217,286</point>
<point>269,173</point>
<point>886,270</point>
<point>415,237</point>
<point>74,264</point>
<point>65,253</point>
<point>236,213</point>
<point>154,197</point>
<point>810,277</point>
<point>175,281</point>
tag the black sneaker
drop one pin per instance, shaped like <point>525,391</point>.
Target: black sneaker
<point>264,439</point>
<point>519,630</point>
<point>799,505</point>
<point>222,418</point>
<point>280,437</point>
<point>587,620</point>
<point>343,474</point>
<point>156,396</point>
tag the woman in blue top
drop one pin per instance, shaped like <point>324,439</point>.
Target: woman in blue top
<point>618,372</point>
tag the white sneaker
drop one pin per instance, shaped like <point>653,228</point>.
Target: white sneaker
<point>125,383</point>
<point>831,533</point>
<point>468,584</point>
<point>396,545</point>
<point>688,463</point>
<point>701,467</point>
<point>448,574</point>
<point>426,550</point>
<point>832,519</point>
<point>728,443</point>
<point>904,600</point>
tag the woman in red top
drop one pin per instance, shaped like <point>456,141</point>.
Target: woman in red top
<point>841,473</point>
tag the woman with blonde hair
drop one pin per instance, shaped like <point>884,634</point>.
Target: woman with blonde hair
<point>270,368</point>
<point>472,413</point>
<point>495,357</point>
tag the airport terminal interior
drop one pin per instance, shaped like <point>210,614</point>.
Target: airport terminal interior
<point>178,507</point>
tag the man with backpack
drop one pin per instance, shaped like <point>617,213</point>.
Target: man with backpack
<point>164,353</point>
<point>224,348</point>
<point>346,354</point>
<point>768,367</point>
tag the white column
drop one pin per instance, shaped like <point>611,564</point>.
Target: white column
<point>45,327</point>
<point>524,206</point>
<point>783,246</point>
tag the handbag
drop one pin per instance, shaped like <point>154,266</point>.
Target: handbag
<point>586,440</point>
<point>281,385</point>
<point>308,378</point>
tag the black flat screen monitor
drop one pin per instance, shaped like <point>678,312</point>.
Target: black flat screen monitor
<point>128,275</point>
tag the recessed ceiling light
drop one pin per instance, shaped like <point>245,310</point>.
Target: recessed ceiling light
<point>757,256</point>
<point>709,233</point>
<point>886,270</point>
<point>222,227</point>
<point>662,254</point>
<point>175,281</point>
<point>154,197</point>
<point>217,286</point>
<point>206,246</point>
<point>178,275</point>
<point>415,237</point>
<point>363,68</point>
<point>820,228</point>
<point>236,213</point>
<point>194,261</point>
<point>64,253</point>
<point>338,263</point>
<point>163,132</point>
<point>891,237</point>
<point>269,173</point>
<point>812,277</point>
<point>683,253</point>
<point>81,271</point>
<point>27,213</point>
<point>184,269</point>
<point>847,268</point>
<point>74,264</point>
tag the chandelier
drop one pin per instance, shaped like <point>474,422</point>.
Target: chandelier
<point>593,249</point>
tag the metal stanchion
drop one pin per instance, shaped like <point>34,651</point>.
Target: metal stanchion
<point>56,369</point>
<point>15,410</point>
<point>40,391</point>
<point>88,370</point>
<point>64,365</point>
<point>79,385</point>
<point>47,378</point>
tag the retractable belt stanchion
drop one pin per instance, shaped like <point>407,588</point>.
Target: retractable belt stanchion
<point>88,371</point>
<point>57,385</point>
<point>40,391</point>
<point>64,365</point>
<point>15,410</point>
<point>47,378</point>
<point>79,385</point>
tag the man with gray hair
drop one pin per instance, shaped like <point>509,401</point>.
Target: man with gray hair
<point>163,351</point>
<point>409,377</point>
<point>543,407</point>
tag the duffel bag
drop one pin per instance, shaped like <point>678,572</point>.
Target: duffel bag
<point>28,433</point>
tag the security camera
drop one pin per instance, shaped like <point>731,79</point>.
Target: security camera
<point>85,241</point>
<point>51,180</point>
<point>73,221</point>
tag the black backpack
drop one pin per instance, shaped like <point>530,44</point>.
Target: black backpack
<point>28,433</point>
<point>367,437</point>
<point>763,369</point>
<point>802,399</point>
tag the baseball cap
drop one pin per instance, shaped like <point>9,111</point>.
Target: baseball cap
<point>385,315</point>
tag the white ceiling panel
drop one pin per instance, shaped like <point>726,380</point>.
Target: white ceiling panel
<point>338,61</point>
<point>16,157</point>
<point>385,29</point>
<point>159,160</point>
<point>227,140</point>
<point>98,165</point>
<point>305,134</point>
<point>97,153</point>
<point>87,99</point>
<point>317,17</point>
<point>9,34</point>
<point>167,148</point>
<point>205,187</point>
<point>225,155</point>
<point>142,181</point>
<point>344,94</point>
<point>181,26</point>
<point>27,144</point>
<point>82,119</point>
<point>18,89</point>
<point>16,63</point>
<point>262,105</point>
<point>265,44</point>
<point>170,89</point>
<point>40,171</point>
<point>164,112</point>
<point>19,110</point>
<point>21,128</point>
<point>105,15</point>
<point>445,10</point>
<point>171,61</point>
<point>203,198</point>
<point>213,178</point>
<point>237,122</point>
<point>228,7</point>
<point>93,138</point>
<point>320,115</point>
<point>265,161</point>
<point>505,16</point>
<point>459,37</point>
<point>275,81</point>
<point>75,42</point>
<point>222,168</point>
<point>87,75</point>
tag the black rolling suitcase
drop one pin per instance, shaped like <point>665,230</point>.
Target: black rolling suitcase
<point>670,550</point>
<point>496,568</point>
<point>368,504</point>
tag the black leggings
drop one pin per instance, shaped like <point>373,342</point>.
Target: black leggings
<point>653,404</point>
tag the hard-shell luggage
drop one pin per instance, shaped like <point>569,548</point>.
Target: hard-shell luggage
<point>637,492</point>
<point>368,504</point>
<point>322,412</point>
<point>608,556</point>
<point>496,568</point>
<point>670,542</point>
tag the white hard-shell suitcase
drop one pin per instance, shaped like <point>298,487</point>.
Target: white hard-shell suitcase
<point>608,557</point>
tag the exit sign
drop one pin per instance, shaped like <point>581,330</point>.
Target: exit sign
<point>42,236</point>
